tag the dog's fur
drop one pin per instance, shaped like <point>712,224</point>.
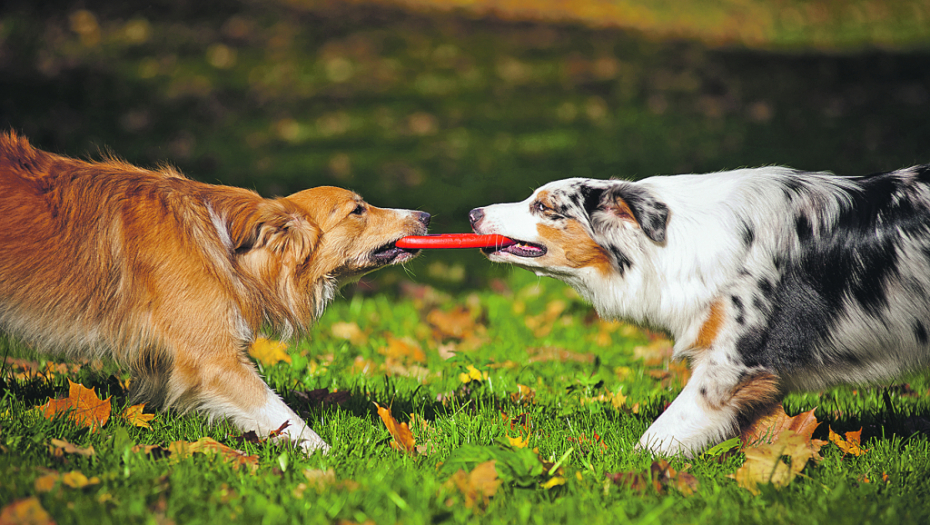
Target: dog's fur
<point>173,277</point>
<point>768,279</point>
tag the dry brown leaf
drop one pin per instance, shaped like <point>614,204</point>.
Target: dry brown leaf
<point>851,444</point>
<point>458,323</point>
<point>82,407</point>
<point>562,355</point>
<point>403,438</point>
<point>477,486</point>
<point>661,476</point>
<point>26,511</point>
<point>133,414</point>
<point>60,447</point>
<point>209,446</point>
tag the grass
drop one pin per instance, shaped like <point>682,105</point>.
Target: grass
<point>460,425</point>
<point>443,112</point>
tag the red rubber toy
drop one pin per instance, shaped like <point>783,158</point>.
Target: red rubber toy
<point>454,240</point>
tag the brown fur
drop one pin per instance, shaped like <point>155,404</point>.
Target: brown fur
<point>174,277</point>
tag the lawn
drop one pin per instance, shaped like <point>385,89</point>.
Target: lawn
<point>445,110</point>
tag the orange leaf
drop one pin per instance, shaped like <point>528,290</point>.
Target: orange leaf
<point>457,323</point>
<point>850,445</point>
<point>133,414</point>
<point>82,406</point>
<point>479,484</point>
<point>46,482</point>
<point>25,512</point>
<point>403,438</point>
<point>770,426</point>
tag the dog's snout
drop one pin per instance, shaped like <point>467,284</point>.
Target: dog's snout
<point>475,216</point>
<point>423,217</point>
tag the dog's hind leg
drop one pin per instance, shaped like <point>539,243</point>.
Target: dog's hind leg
<point>708,409</point>
<point>227,385</point>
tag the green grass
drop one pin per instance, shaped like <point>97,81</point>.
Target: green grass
<point>443,112</point>
<point>463,426</point>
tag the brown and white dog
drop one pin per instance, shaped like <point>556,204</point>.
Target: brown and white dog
<point>174,278</point>
<point>768,279</point>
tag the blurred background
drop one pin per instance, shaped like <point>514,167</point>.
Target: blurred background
<point>444,105</point>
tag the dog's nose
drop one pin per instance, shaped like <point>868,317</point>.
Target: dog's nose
<point>475,216</point>
<point>423,217</point>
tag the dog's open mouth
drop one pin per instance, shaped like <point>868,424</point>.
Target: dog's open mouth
<point>520,249</point>
<point>390,253</point>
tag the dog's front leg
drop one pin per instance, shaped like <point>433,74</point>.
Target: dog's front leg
<point>708,409</point>
<point>226,385</point>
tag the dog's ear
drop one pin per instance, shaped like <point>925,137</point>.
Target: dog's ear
<point>274,225</point>
<point>628,202</point>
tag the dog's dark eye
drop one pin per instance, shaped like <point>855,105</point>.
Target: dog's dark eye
<point>539,207</point>
<point>359,210</point>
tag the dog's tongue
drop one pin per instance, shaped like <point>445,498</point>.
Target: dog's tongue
<point>454,240</point>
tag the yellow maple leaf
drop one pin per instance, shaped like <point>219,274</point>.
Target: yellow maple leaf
<point>268,352</point>
<point>82,406</point>
<point>764,463</point>
<point>403,438</point>
<point>133,414</point>
<point>472,374</point>
<point>77,480</point>
<point>518,441</point>
<point>851,444</point>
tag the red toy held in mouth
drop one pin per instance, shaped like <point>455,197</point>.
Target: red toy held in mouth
<point>454,240</point>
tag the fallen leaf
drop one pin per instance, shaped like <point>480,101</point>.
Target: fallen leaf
<point>554,481</point>
<point>268,352</point>
<point>60,447</point>
<point>26,511</point>
<point>850,445</point>
<point>562,355</point>
<point>477,486</point>
<point>769,427</point>
<point>457,323</point>
<point>82,407</point>
<point>403,349</point>
<point>472,374</point>
<point>400,432</point>
<point>523,396</point>
<point>518,441</point>
<point>322,397</point>
<point>660,477</point>
<point>765,464</point>
<point>46,482</point>
<point>349,332</point>
<point>77,480</point>
<point>133,414</point>
<point>209,446</point>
